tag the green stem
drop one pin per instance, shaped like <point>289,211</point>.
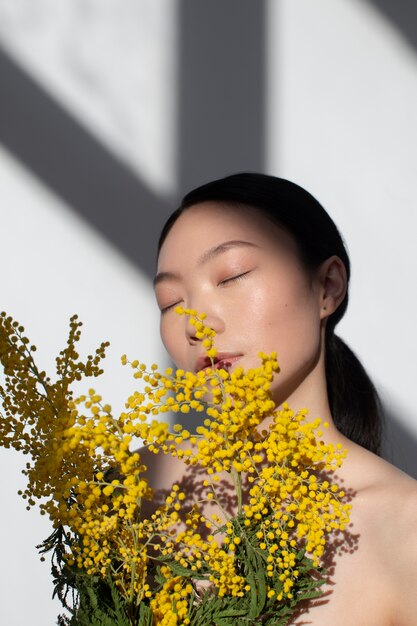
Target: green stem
<point>237,481</point>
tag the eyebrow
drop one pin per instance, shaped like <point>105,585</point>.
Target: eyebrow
<point>223,247</point>
<point>204,258</point>
<point>163,276</point>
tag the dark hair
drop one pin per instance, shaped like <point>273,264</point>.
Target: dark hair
<point>353,399</point>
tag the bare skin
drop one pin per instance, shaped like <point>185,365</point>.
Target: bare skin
<point>373,573</point>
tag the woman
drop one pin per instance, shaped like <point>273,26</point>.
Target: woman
<point>264,261</point>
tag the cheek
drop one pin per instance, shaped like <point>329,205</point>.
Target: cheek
<point>285,320</point>
<point>170,335</point>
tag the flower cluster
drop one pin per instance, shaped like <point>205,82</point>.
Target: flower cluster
<point>191,560</point>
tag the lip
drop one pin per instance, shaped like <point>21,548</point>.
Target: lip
<point>222,360</point>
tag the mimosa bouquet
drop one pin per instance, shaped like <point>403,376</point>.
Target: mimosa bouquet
<point>238,540</point>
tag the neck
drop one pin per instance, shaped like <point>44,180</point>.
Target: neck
<point>311,394</point>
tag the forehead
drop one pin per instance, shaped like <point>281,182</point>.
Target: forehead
<point>203,226</point>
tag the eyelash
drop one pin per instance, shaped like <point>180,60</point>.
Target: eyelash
<point>170,306</point>
<point>232,279</point>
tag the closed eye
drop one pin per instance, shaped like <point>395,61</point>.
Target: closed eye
<point>234,279</point>
<point>167,308</point>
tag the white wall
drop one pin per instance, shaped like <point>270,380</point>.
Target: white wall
<point>342,123</point>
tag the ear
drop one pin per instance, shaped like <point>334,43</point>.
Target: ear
<point>333,285</point>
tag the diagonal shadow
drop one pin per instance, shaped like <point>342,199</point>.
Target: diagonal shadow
<point>222,83</point>
<point>77,167</point>
<point>403,15</point>
<point>221,126</point>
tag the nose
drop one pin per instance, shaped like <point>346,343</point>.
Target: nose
<point>213,321</point>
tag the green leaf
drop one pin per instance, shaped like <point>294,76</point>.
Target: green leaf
<point>256,579</point>
<point>145,615</point>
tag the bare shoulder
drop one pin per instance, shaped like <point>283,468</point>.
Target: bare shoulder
<point>385,514</point>
<point>374,582</point>
<point>386,497</point>
<point>384,488</point>
<point>400,513</point>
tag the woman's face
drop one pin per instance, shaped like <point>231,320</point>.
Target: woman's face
<point>244,272</point>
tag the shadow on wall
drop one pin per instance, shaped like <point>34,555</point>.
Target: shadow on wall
<point>222,89</point>
<point>221,127</point>
<point>66,157</point>
<point>399,444</point>
<point>403,15</point>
